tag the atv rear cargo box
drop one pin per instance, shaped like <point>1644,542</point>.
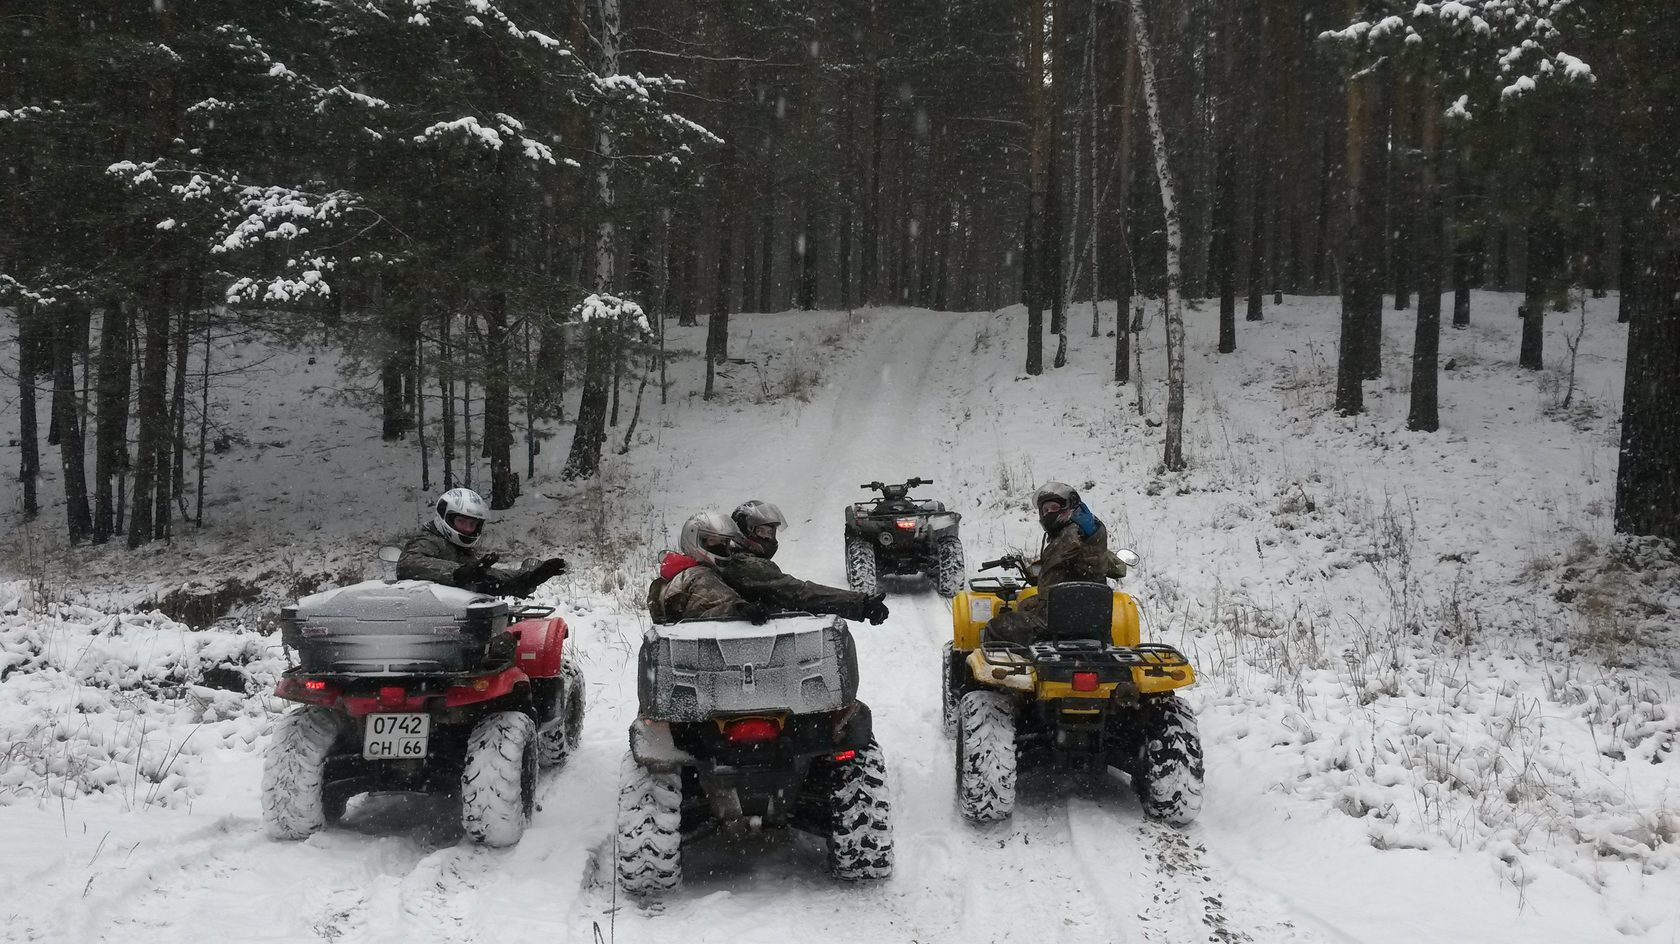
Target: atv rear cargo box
<point>701,669</point>
<point>409,627</point>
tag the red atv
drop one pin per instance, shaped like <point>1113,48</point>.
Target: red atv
<point>414,686</point>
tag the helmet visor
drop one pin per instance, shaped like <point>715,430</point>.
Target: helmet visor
<point>466,524</point>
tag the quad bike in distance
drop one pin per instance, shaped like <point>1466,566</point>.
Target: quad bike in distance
<point>744,727</point>
<point>897,534</point>
<point>412,686</point>
<point>1085,694</point>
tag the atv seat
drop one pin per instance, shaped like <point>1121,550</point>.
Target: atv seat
<point>1078,609</point>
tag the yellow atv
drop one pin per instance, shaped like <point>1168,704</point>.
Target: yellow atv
<point>1085,694</point>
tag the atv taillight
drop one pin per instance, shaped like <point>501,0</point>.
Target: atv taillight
<point>905,524</point>
<point>313,691</point>
<point>840,757</point>
<point>752,731</point>
<point>1084,681</point>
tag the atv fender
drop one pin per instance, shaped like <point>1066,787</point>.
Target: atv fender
<point>542,644</point>
<point>653,747</point>
<point>1017,673</point>
<point>855,727</point>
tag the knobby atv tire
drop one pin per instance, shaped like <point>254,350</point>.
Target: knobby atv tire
<point>860,565</point>
<point>952,567</point>
<point>986,756</point>
<point>294,792</point>
<point>499,782</point>
<point>860,841</point>
<point>557,739</point>
<point>1168,771</point>
<point>647,851</point>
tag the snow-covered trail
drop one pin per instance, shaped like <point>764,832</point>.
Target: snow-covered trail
<point>1073,860</point>
<point>1077,859</point>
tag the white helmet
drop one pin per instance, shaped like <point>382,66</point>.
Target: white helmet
<point>459,516</point>
<point>708,536</point>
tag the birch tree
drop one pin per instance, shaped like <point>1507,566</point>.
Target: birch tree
<point>1173,457</point>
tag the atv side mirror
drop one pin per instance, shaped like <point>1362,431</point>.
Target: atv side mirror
<point>1128,557</point>
<point>389,554</point>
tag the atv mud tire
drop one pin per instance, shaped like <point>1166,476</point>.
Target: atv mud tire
<point>647,852</point>
<point>295,804</point>
<point>499,782</point>
<point>860,842</point>
<point>986,756</point>
<point>557,739</point>
<point>1167,774</point>
<point>948,579</point>
<point>860,565</point>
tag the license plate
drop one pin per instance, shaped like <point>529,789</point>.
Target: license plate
<point>396,736</point>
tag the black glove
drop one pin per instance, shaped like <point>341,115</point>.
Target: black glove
<point>553,567</point>
<point>474,571</point>
<point>874,609</point>
<point>756,613</point>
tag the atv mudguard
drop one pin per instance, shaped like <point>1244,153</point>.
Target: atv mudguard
<point>542,643</point>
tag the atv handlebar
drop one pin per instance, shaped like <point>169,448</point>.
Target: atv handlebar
<point>908,484</point>
<point>1008,560</point>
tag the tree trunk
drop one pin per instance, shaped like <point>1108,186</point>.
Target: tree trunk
<point>498,427</point>
<point>1542,253</point>
<point>67,411</point>
<point>1648,477</point>
<point>1627,277</point>
<point>584,460</point>
<point>1403,213</point>
<point>1173,454</point>
<point>1362,294</point>
<point>1425,407</point>
<point>1038,131</point>
<point>29,457</point>
<point>111,428</point>
<point>446,390</point>
<point>717,326</point>
<point>152,411</point>
<point>178,398</point>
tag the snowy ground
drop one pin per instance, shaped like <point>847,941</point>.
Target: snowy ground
<point>1437,697</point>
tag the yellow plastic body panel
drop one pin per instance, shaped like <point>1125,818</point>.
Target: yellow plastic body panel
<point>971,611</point>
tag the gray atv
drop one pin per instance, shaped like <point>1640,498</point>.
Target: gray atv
<point>899,535</point>
<point>745,727</point>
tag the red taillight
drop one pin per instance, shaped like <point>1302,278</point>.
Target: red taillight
<point>905,524</point>
<point>843,756</point>
<point>752,731</point>
<point>1084,681</point>
<point>315,685</point>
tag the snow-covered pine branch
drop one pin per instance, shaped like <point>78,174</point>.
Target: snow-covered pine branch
<point>1487,51</point>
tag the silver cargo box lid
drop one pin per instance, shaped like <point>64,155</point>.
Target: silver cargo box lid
<point>377,600</point>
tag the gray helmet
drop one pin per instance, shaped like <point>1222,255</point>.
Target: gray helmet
<point>459,516</point>
<point>1061,499</point>
<point>708,536</point>
<point>754,519</point>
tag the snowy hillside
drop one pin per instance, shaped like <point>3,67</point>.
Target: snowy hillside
<point>1437,695</point>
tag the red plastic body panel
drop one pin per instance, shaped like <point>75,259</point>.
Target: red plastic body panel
<point>542,644</point>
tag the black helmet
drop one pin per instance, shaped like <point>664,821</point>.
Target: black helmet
<point>1055,504</point>
<point>760,522</point>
